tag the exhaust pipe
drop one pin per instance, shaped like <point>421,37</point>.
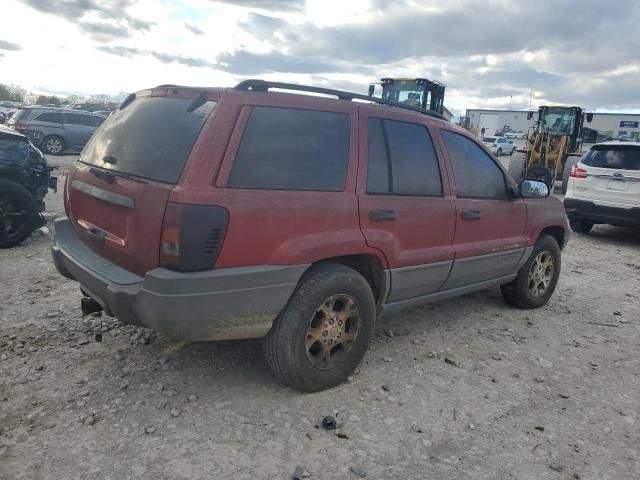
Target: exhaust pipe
<point>88,306</point>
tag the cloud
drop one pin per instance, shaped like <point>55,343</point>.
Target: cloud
<point>272,5</point>
<point>184,60</point>
<point>129,52</point>
<point>193,29</point>
<point>104,31</point>
<point>242,62</point>
<point>116,22</point>
<point>120,51</point>
<point>4,45</point>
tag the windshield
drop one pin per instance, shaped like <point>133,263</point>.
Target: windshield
<point>404,92</point>
<point>151,138</point>
<point>559,120</point>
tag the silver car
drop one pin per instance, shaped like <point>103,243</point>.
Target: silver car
<point>499,145</point>
<point>56,130</point>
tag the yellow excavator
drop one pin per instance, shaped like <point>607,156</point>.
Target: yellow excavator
<point>415,92</point>
<point>552,147</point>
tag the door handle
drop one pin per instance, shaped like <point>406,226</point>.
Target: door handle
<point>382,215</point>
<point>97,234</point>
<point>471,215</point>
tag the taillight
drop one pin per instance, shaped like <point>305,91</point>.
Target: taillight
<point>577,172</point>
<point>192,236</point>
<point>22,125</point>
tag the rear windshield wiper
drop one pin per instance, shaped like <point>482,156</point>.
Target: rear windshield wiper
<point>197,102</point>
<point>109,176</point>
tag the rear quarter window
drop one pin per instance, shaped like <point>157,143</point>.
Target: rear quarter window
<point>150,138</point>
<point>291,149</point>
<point>623,157</point>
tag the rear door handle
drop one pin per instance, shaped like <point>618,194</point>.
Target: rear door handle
<point>97,234</point>
<point>471,215</point>
<point>382,215</point>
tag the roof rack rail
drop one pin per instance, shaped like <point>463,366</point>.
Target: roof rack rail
<point>265,86</point>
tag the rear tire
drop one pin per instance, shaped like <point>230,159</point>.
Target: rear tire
<point>580,226</point>
<point>53,145</point>
<point>323,332</point>
<point>538,277</point>
<point>571,161</point>
<point>18,213</point>
<point>517,167</point>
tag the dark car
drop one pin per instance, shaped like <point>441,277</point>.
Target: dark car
<point>56,130</point>
<point>24,181</point>
<point>295,218</point>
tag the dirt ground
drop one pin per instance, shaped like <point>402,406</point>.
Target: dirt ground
<point>463,389</point>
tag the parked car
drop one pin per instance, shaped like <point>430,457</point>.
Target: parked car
<point>56,130</point>
<point>499,145</point>
<point>514,134</point>
<point>604,187</point>
<point>296,218</point>
<point>24,181</point>
<point>87,107</point>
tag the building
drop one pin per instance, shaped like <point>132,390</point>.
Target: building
<point>602,126</point>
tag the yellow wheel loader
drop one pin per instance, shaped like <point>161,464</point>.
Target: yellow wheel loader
<point>552,147</point>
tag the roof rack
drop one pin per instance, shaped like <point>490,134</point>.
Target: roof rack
<point>265,86</point>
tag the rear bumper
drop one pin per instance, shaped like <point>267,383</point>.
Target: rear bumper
<point>222,304</point>
<point>587,210</point>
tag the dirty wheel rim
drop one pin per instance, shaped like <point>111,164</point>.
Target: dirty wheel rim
<point>13,218</point>
<point>54,145</point>
<point>541,274</point>
<point>332,331</point>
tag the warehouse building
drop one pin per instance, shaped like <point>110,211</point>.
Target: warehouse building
<point>602,126</point>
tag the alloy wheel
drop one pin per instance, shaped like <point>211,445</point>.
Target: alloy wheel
<point>332,331</point>
<point>541,274</point>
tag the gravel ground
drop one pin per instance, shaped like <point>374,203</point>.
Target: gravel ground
<point>467,388</point>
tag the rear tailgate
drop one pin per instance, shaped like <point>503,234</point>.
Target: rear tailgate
<point>613,174</point>
<point>117,193</point>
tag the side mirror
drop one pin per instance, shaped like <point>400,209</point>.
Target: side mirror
<point>529,115</point>
<point>589,117</point>
<point>372,88</point>
<point>533,189</point>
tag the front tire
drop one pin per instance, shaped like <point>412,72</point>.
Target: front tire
<point>18,213</point>
<point>580,226</point>
<point>499,152</point>
<point>53,145</point>
<point>323,332</point>
<point>513,150</point>
<point>538,277</point>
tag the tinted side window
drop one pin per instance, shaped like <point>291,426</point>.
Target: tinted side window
<point>51,117</point>
<point>402,160</point>
<point>78,119</point>
<point>288,149</point>
<point>476,174</point>
<point>96,120</point>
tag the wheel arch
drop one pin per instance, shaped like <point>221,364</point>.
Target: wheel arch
<point>557,232</point>
<point>367,265</point>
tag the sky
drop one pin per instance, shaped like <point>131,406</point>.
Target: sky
<point>489,53</point>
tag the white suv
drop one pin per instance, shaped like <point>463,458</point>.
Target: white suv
<point>604,187</point>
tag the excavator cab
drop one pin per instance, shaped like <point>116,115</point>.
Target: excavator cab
<point>416,92</point>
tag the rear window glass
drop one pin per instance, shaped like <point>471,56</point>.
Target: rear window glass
<point>78,119</point>
<point>50,117</point>
<point>489,139</point>
<point>150,138</point>
<point>289,149</point>
<point>623,157</point>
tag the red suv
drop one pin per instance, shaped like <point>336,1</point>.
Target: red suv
<point>212,214</point>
